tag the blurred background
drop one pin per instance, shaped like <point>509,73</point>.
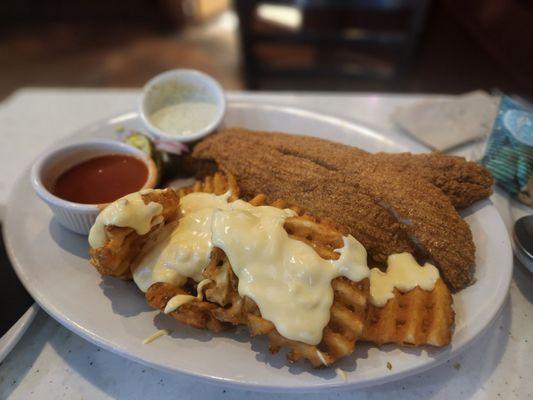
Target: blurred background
<point>439,46</point>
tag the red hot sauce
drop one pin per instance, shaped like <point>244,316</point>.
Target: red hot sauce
<point>101,179</point>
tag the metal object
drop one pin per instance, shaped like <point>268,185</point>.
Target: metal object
<point>523,238</point>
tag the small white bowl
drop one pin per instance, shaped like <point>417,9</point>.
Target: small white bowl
<point>79,217</point>
<point>178,86</point>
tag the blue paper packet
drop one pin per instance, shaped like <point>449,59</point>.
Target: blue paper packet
<point>509,152</point>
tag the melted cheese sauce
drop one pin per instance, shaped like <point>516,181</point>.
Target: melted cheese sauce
<point>128,211</point>
<point>404,274</point>
<point>184,251</point>
<point>287,279</point>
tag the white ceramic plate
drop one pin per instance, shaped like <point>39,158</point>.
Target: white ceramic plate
<point>52,263</point>
<point>15,333</point>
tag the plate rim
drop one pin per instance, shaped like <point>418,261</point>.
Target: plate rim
<point>232,382</point>
<point>17,331</point>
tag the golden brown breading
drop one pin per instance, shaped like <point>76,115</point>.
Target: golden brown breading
<point>386,210</point>
<point>464,182</point>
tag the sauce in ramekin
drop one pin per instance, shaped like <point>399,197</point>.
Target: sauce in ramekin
<point>101,179</point>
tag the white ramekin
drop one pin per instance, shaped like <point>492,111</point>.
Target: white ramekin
<point>158,92</point>
<point>75,216</point>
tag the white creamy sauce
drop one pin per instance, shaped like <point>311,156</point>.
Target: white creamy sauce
<point>404,274</point>
<point>185,117</point>
<point>184,252</point>
<point>288,280</point>
<point>128,211</point>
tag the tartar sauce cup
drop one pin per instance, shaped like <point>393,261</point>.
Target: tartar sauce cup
<point>79,217</point>
<point>182,105</point>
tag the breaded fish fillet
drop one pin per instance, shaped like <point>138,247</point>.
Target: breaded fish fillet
<point>464,182</point>
<point>386,210</point>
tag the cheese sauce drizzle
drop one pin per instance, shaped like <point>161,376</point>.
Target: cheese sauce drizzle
<point>184,250</point>
<point>404,274</point>
<point>128,211</point>
<point>180,299</point>
<point>288,280</point>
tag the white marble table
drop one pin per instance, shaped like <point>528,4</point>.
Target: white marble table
<point>50,362</point>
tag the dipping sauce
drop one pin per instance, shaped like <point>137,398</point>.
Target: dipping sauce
<point>184,118</point>
<point>101,179</point>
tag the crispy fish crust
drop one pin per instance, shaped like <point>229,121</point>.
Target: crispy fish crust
<point>417,317</point>
<point>464,182</point>
<point>389,211</point>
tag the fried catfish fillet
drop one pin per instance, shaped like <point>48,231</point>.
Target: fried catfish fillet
<point>419,317</point>
<point>124,244</point>
<point>389,211</point>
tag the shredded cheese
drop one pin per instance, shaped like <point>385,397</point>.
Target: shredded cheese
<point>155,335</point>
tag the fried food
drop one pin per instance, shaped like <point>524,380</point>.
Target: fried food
<point>388,211</point>
<point>464,182</point>
<point>414,318</point>
<point>124,244</point>
<point>418,317</point>
<point>198,314</point>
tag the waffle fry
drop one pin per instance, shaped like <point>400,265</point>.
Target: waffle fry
<point>198,314</point>
<point>124,244</point>
<point>217,184</point>
<point>414,318</point>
